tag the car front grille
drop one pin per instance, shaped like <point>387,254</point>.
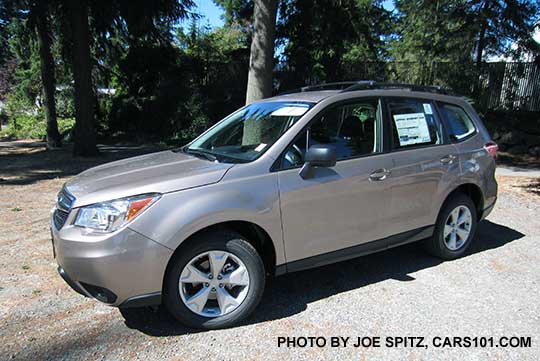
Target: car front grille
<point>59,218</point>
<point>64,200</point>
<point>64,203</point>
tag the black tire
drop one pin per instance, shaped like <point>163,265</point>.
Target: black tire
<point>437,245</point>
<point>224,240</point>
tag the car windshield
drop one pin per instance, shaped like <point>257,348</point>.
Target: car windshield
<point>246,134</point>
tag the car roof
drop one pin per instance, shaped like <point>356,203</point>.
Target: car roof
<point>320,95</point>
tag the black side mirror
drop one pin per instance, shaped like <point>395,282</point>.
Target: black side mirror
<point>318,155</point>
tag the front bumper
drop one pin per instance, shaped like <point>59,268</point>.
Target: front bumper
<point>120,269</point>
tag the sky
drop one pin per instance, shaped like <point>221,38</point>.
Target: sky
<point>212,13</point>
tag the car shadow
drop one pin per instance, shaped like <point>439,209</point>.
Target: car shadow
<point>290,294</point>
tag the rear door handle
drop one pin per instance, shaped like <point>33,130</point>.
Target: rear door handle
<point>448,159</point>
<point>379,174</point>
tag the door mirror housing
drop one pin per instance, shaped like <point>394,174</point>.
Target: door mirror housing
<point>321,155</point>
<point>318,155</point>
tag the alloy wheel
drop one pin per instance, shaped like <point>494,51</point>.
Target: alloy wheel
<point>214,283</point>
<point>457,227</point>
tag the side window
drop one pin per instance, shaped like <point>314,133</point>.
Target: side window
<point>414,123</point>
<point>352,128</point>
<point>459,124</point>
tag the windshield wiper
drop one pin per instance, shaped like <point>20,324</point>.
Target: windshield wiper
<point>201,153</point>
<point>210,156</point>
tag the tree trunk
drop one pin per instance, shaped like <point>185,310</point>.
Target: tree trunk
<point>480,47</point>
<point>84,134</point>
<point>482,34</point>
<point>261,59</point>
<point>47,78</point>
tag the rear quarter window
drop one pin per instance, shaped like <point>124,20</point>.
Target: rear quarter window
<point>458,123</point>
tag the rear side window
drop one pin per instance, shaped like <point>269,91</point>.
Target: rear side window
<point>458,123</point>
<point>414,123</point>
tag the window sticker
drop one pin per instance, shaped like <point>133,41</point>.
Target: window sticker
<point>260,147</point>
<point>412,128</point>
<point>427,108</point>
<point>291,111</point>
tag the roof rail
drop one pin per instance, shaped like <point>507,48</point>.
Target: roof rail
<point>342,85</point>
<point>347,86</point>
<point>366,85</point>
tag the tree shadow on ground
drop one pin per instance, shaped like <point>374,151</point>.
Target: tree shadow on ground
<point>533,187</point>
<point>518,161</point>
<point>23,163</point>
<point>290,294</point>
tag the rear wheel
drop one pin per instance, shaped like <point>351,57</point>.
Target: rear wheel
<point>215,282</point>
<point>455,228</point>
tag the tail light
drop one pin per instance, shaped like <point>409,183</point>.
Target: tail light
<point>492,148</point>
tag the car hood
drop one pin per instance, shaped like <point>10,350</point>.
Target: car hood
<point>159,172</point>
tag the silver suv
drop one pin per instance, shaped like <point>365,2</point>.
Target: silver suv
<point>281,185</point>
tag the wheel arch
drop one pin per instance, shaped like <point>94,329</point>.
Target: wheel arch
<point>257,236</point>
<point>474,192</point>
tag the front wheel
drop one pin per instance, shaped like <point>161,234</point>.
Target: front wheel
<point>215,282</point>
<point>455,228</point>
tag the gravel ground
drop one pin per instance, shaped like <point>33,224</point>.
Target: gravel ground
<point>493,291</point>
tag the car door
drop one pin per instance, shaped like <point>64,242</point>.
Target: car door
<point>425,164</point>
<point>341,206</point>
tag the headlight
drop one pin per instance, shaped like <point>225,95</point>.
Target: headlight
<point>109,216</point>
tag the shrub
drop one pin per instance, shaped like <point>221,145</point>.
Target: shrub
<point>195,120</point>
<point>3,116</point>
<point>24,121</point>
<point>34,126</point>
<point>65,104</point>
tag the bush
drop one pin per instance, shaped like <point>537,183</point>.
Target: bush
<point>65,104</point>
<point>104,106</point>
<point>34,126</point>
<point>3,116</point>
<point>24,121</point>
<point>190,121</point>
<point>25,126</point>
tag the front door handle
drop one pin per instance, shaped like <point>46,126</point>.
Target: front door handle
<point>448,159</point>
<point>379,174</point>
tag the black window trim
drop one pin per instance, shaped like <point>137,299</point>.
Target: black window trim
<point>389,138</point>
<point>277,166</point>
<point>440,105</point>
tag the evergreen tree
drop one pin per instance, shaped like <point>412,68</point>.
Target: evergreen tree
<point>503,27</point>
<point>261,59</point>
<point>320,37</point>
<point>430,31</point>
<point>40,18</point>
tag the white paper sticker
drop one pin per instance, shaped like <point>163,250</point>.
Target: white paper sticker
<point>427,108</point>
<point>412,128</point>
<point>290,111</point>
<point>260,147</point>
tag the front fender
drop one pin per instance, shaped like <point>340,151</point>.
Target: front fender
<point>178,215</point>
